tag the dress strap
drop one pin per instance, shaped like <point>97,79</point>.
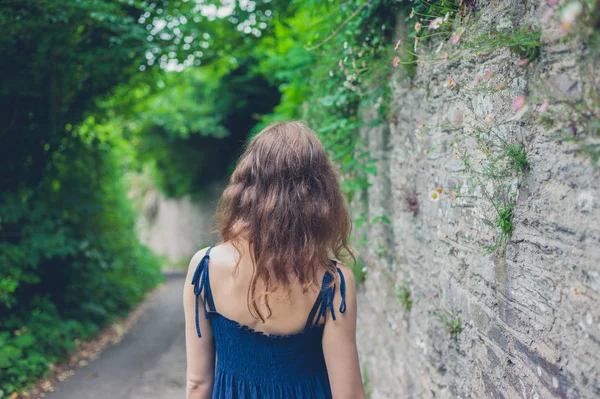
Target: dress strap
<point>201,282</point>
<point>325,299</point>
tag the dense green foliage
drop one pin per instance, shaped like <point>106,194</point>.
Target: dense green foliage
<point>86,99</point>
<point>69,258</point>
<point>189,126</point>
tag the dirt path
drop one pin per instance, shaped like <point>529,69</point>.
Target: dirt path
<point>148,363</point>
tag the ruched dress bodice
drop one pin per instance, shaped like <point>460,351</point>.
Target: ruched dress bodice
<point>252,364</point>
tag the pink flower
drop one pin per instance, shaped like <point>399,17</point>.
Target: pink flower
<point>450,83</point>
<point>453,194</point>
<point>418,27</point>
<point>544,107</point>
<point>396,61</point>
<point>420,125</point>
<point>519,102</point>
<point>488,74</point>
<point>523,62</point>
<point>456,35</point>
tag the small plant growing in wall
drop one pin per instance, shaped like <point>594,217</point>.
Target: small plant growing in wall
<point>448,318</point>
<point>504,220</point>
<point>517,157</point>
<point>450,321</point>
<point>524,42</point>
<point>404,297</point>
<point>503,161</point>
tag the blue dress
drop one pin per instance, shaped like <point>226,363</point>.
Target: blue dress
<point>252,364</point>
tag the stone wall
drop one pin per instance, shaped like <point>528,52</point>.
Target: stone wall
<point>530,309</point>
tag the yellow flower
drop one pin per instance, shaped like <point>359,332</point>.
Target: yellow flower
<point>450,83</point>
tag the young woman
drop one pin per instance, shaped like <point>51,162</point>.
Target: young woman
<point>268,305</point>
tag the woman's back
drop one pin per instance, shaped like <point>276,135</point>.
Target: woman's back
<point>289,314</point>
<point>268,313</point>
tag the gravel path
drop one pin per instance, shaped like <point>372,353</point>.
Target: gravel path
<point>148,363</point>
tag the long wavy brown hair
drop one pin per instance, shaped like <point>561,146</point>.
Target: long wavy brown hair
<point>284,198</point>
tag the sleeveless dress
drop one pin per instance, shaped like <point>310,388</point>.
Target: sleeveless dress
<point>252,364</point>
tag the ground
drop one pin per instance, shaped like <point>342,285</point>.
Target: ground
<point>148,363</point>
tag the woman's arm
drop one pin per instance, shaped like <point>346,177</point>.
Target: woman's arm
<point>200,352</point>
<point>339,343</point>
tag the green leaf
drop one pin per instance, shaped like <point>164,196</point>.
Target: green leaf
<point>371,169</point>
<point>24,341</point>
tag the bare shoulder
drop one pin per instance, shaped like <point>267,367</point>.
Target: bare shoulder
<point>348,274</point>
<point>198,257</point>
<point>194,262</point>
<point>223,258</point>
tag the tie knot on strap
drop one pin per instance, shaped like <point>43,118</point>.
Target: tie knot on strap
<point>201,283</point>
<point>328,294</point>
